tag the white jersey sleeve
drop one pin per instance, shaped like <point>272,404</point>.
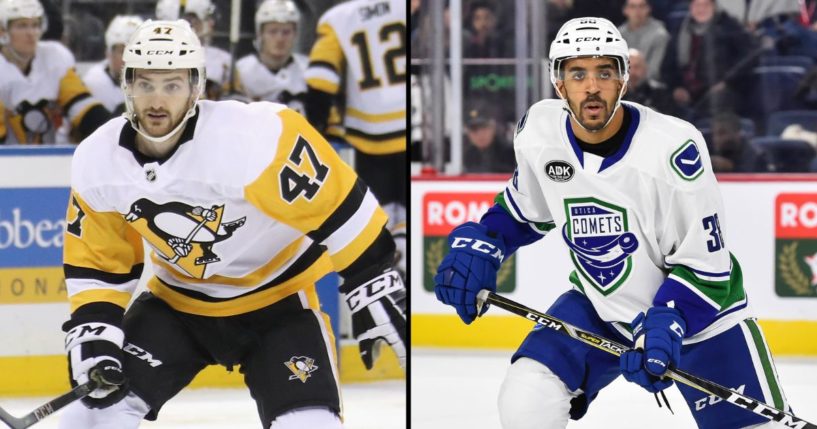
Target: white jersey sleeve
<point>523,197</point>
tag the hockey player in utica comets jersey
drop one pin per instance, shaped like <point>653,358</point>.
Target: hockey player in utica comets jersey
<point>244,207</point>
<point>632,194</point>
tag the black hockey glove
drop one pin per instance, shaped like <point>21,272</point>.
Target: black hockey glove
<point>378,308</point>
<point>95,350</point>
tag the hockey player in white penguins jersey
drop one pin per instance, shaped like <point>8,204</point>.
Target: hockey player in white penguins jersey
<point>632,194</point>
<point>275,73</point>
<point>103,78</point>
<point>200,15</point>
<point>245,207</point>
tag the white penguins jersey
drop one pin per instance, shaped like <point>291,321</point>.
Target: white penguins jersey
<point>361,45</point>
<point>651,210</point>
<point>103,87</point>
<point>237,217</point>
<point>36,104</point>
<point>217,63</point>
<point>286,86</point>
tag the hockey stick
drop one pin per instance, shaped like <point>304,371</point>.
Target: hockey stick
<point>50,407</point>
<point>617,349</point>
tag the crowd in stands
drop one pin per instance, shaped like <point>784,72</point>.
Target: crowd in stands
<point>743,71</point>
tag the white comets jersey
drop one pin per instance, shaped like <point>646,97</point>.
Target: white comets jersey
<point>104,88</point>
<point>285,86</point>
<point>629,220</point>
<point>237,217</point>
<point>34,106</point>
<point>363,42</point>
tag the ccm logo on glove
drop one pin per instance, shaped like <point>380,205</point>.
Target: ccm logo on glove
<point>373,290</point>
<point>479,246</point>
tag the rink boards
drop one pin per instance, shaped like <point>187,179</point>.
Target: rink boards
<point>34,189</point>
<point>770,224</point>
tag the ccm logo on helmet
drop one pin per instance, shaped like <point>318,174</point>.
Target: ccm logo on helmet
<point>588,39</point>
<point>157,52</point>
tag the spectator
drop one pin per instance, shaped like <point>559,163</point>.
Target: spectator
<point>484,40</point>
<point>645,33</point>
<point>731,152</point>
<point>644,90</point>
<point>757,11</point>
<point>806,95</point>
<point>557,13</point>
<point>486,151</point>
<point>705,60</point>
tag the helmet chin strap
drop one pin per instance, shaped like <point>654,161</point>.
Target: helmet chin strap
<point>17,57</point>
<point>573,114</point>
<point>161,139</point>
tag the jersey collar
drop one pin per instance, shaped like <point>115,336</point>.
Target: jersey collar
<point>127,139</point>
<point>625,145</point>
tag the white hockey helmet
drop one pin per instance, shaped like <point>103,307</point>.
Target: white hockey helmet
<point>276,11</point>
<point>201,8</point>
<point>17,9</point>
<point>163,45</point>
<point>588,37</point>
<point>168,10</point>
<point>121,29</point>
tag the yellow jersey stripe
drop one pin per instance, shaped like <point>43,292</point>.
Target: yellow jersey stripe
<point>370,117</point>
<point>382,147</point>
<point>323,85</point>
<point>99,295</point>
<point>243,304</point>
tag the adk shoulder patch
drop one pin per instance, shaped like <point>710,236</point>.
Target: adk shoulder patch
<point>686,161</point>
<point>559,171</point>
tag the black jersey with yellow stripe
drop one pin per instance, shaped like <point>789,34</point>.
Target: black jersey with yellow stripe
<point>360,52</point>
<point>37,102</point>
<point>251,206</point>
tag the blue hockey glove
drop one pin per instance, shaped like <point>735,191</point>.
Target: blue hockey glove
<point>469,267</point>
<point>657,337</point>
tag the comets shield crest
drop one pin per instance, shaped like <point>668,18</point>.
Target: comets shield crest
<point>600,242</point>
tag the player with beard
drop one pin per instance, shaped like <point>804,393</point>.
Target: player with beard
<point>632,194</point>
<point>245,207</point>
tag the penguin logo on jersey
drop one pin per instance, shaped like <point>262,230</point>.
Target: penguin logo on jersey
<point>600,244</point>
<point>302,367</point>
<point>182,234</point>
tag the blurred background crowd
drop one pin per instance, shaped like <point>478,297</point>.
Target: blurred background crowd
<point>743,71</point>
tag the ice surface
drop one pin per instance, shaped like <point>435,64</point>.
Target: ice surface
<point>378,405</point>
<point>458,388</point>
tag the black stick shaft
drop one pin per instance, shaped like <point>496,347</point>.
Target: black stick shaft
<point>48,408</point>
<point>615,348</point>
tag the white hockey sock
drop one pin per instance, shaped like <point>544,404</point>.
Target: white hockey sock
<point>317,417</point>
<point>532,397</point>
<point>125,414</point>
